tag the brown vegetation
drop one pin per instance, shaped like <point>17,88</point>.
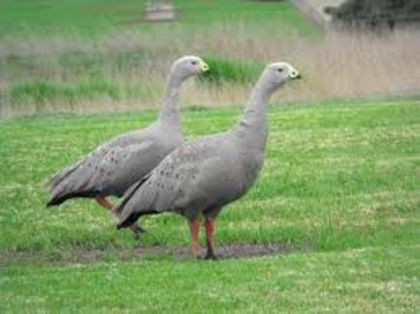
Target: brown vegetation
<point>135,65</point>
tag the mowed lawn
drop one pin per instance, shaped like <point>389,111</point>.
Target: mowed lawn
<point>340,188</point>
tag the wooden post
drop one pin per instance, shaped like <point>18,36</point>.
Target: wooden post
<point>159,11</point>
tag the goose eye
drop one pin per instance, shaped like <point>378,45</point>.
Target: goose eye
<point>279,70</point>
<point>194,62</point>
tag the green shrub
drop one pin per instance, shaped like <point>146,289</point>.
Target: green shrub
<point>225,70</point>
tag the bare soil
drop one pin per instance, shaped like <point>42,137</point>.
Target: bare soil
<point>87,256</point>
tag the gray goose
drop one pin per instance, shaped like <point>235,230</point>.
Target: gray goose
<point>203,176</point>
<point>116,165</point>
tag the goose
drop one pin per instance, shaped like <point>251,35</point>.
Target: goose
<point>203,176</point>
<point>113,167</point>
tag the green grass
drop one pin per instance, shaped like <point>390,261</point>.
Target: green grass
<point>371,280</point>
<point>94,17</point>
<point>340,186</point>
<point>42,93</point>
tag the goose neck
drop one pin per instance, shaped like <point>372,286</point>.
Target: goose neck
<point>170,112</point>
<point>252,129</point>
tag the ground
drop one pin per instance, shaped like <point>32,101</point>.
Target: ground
<point>98,16</point>
<point>332,224</point>
<point>373,279</point>
<point>338,194</point>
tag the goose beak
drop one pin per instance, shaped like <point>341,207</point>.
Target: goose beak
<point>204,66</point>
<point>295,75</point>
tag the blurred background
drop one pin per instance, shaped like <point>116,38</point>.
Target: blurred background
<point>113,55</point>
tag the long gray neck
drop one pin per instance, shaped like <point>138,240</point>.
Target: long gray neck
<point>170,112</point>
<point>252,129</point>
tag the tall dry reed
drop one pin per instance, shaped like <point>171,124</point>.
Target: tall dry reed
<point>335,65</point>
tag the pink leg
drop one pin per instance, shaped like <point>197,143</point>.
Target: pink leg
<point>103,202</point>
<point>135,228</point>
<point>209,224</point>
<point>195,244</point>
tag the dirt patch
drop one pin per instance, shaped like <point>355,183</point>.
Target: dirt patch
<point>87,256</point>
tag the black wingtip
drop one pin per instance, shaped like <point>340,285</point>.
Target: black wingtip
<point>56,201</point>
<point>123,224</point>
<point>127,222</point>
<point>51,203</point>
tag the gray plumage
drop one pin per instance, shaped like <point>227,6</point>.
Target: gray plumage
<point>114,166</point>
<point>200,176</point>
<point>204,175</point>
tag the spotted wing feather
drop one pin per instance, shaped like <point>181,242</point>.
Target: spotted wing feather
<point>109,170</point>
<point>196,176</point>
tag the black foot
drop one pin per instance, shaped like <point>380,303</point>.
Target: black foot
<point>210,256</point>
<point>137,231</point>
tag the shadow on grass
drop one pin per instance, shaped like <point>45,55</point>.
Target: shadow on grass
<point>159,252</point>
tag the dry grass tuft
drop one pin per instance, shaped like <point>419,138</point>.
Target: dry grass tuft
<point>335,66</point>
